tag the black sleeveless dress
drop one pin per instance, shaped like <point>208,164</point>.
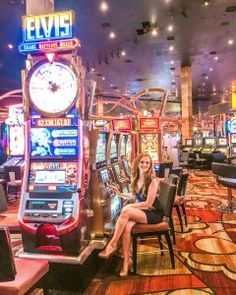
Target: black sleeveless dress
<point>154,214</point>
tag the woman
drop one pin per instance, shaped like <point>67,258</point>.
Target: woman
<point>145,210</point>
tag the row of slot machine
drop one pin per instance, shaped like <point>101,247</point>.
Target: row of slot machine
<point>110,157</point>
<point>209,145</point>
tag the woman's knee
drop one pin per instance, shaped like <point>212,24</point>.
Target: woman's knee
<point>126,212</point>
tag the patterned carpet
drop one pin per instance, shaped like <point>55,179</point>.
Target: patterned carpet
<point>205,253</point>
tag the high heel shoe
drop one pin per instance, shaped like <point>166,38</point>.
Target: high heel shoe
<point>106,253</point>
<point>124,272</point>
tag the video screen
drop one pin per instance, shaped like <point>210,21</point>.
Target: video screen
<point>101,150</point>
<point>117,169</point>
<point>126,165</point>
<point>189,142</point>
<point>54,142</point>
<point>105,175</point>
<point>41,205</point>
<point>115,206</point>
<point>53,176</point>
<point>17,140</point>
<point>123,145</point>
<point>198,142</point>
<point>222,141</point>
<point>114,148</point>
<point>49,176</point>
<point>210,141</point>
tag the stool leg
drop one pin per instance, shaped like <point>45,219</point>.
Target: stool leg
<point>185,215</point>
<point>180,217</point>
<point>135,253</point>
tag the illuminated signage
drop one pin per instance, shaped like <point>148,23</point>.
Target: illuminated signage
<point>46,27</point>
<point>233,95</point>
<point>49,46</point>
<point>53,122</point>
<point>122,124</point>
<point>231,125</point>
<point>48,33</point>
<point>147,123</point>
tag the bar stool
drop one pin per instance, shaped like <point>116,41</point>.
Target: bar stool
<point>226,176</point>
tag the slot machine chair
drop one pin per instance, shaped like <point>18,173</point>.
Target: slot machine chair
<point>184,160</point>
<point>166,198</point>
<point>3,200</point>
<point>199,161</point>
<point>19,276</point>
<point>13,177</point>
<point>165,169</point>
<point>226,176</point>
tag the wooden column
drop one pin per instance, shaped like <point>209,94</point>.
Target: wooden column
<point>186,103</point>
<point>34,7</point>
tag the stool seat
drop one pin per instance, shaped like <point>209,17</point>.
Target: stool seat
<point>228,182</point>
<point>28,273</point>
<point>139,228</point>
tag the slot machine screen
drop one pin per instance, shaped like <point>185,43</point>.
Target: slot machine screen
<point>17,142</point>
<point>233,139</point>
<point>54,142</point>
<point>222,141</point>
<point>53,176</point>
<point>126,165</point>
<point>189,142</point>
<point>115,206</point>
<point>117,169</point>
<point>105,175</point>
<point>114,148</point>
<point>210,141</point>
<point>123,145</point>
<point>198,142</point>
<point>101,150</point>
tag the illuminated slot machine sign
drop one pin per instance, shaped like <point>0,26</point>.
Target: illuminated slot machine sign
<point>114,148</point>
<point>149,144</point>
<point>104,175</point>
<point>123,148</point>
<point>198,142</point>
<point>54,142</point>
<point>101,150</point>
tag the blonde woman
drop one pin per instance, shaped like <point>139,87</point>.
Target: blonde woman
<point>146,209</point>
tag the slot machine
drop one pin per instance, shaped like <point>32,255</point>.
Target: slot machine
<point>126,153</point>
<point>222,146</point>
<point>119,175</point>
<point>197,144</point>
<point>54,213</point>
<point>188,145</point>
<point>209,145</point>
<point>106,204</point>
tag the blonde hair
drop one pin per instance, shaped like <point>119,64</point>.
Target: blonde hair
<point>135,174</point>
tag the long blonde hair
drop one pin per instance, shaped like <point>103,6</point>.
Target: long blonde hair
<point>135,174</point>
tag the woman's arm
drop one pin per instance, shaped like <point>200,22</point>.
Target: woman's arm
<point>152,191</point>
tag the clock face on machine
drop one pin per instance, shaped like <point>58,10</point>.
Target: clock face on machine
<point>52,88</point>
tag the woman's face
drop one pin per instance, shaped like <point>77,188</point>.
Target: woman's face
<point>144,164</point>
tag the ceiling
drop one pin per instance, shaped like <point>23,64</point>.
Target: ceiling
<point>200,35</point>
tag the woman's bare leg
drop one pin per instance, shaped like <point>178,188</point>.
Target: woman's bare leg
<point>126,243</point>
<point>128,213</point>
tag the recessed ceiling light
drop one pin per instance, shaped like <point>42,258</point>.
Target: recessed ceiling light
<point>104,6</point>
<point>206,2</point>
<point>230,41</point>
<point>172,62</point>
<point>123,53</point>
<point>154,32</point>
<point>112,35</point>
<point>171,48</point>
<point>216,58</point>
<point>211,69</point>
<point>103,78</point>
<point>10,46</point>
<point>170,28</point>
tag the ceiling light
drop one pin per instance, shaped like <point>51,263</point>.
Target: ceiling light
<point>112,35</point>
<point>206,2</point>
<point>206,77</point>
<point>103,78</point>
<point>216,58</point>
<point>230,41</point>
<point>170,28</point>
<point>172,62</point>
<point>10,46</point>
<point>211,69</point>
<point>123,53</point>
<point>171,48</point>
<point>103,6</point>
<point>154,32</point>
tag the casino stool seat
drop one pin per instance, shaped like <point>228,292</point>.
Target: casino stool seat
<point>226,176</point>
<point>19,276</point>
<point>13,178</point>
<point>165,169</point>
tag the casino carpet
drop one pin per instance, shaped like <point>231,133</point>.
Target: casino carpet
<point>205,253</point>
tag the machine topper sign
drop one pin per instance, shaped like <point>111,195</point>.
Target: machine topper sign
<point>57,28</point>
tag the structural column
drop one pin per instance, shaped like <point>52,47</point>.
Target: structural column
<point>186,102</point>
<point>37,7</point>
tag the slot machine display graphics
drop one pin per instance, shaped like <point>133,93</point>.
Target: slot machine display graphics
<point>52,210</point>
